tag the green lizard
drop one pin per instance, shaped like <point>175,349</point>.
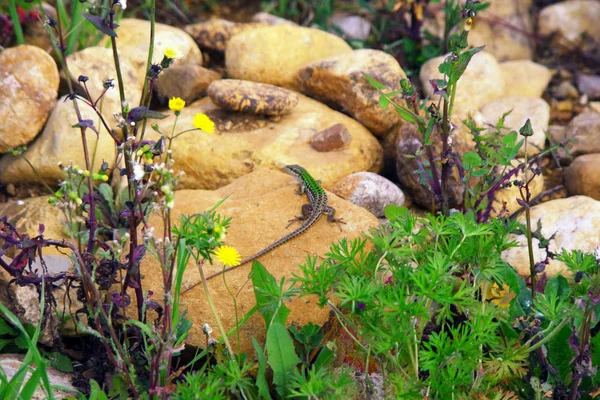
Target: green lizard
<point>311,213</point>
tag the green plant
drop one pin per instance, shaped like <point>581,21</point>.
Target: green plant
<point>436,308</point>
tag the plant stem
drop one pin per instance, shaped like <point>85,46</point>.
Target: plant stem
<point>14,17</point>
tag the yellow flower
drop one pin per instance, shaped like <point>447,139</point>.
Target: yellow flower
<point>228,256</point>
<point>176,104</point>
<point>171,53</point>
<point>501,296</point>
<point>202,122</point>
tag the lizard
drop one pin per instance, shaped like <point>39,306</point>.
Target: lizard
<point>311,212</point>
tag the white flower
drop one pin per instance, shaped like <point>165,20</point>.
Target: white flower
<point>123,4</point>
<point>138,172</point>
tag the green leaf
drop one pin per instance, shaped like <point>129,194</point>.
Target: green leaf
<point>261,380</point>
<point>459,67</point>
<point>595,352</point>
<point>95,392</point>
<point>384,101</point>
<point>405,114</point>
<point>392,212</point>
<point>325,357</point>
<point>560,353</point>
<point>471,160</point>
<point>268,295</point>
<point>374,83</point>
<point>558,284</point>
<point>108,196</point>
<point>32,384</point>
<point>282,357</point>
<point>60,361</point>
<point>6,328</point>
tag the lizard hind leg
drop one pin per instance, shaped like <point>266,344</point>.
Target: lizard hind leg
<point>330,211</point>
<point>306,211</point>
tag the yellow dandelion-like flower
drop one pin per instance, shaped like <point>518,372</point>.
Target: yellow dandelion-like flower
<point>228,255</point>
<point>202,122</point>
<point>171,53</point>
<point>501,296</point>
<point>176,104</point>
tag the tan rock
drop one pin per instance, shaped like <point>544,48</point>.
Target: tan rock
<point>523,108</point>
<point>340,80</point>
<point>583,177</point>
<point>525,78</point>
<point>370,191</point>
<point>506,199</point>
<point>188,82</point>
<point>27,215</point>
<point>215,33</point>
<point>412,180</point>
<point>12,363</point>
<point>274,54</point>
<point>245,141</point>
<point>58,142</point>
<point>580,136</point>
<point>133,44</point>
<point>92,62</point>
<point>575,224</point>
<point>271,19</point>
<point>481,83</point>
<point>252,97</point>
<point>507,38</point>
<point>28,90</point>
<point>34,33</point>
<point>571,19</point>
<point>259,204</point>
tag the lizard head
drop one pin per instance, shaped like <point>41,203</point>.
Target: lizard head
<point>296,171</point>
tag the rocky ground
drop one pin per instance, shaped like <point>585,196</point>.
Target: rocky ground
<point>288,94</point>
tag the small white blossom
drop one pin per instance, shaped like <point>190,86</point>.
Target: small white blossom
<point>138,172</point>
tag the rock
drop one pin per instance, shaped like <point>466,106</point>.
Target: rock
<point>581,135</point>
<point>92,62</point>
<point>188,82</point>
<point>590,85</point>
<point>215,33</point>
<point>571,19</point>
<point>252,97</point>
<point>340,80</point>
<point>506,199</point>
<point>271,19</point>
<point>58,142</point>
<point>352,27</point>
<point>575,224</point>
<point>506,37</point>
<point>133,44</point>
<point>245,141</point>
<point>274,54</point>
<point>34,33</point>
<point>370,191</point>
<point>525,78</point>
<point>537,110</point>
<point>335,137</point>
<point>28,90</point>
<point>12,363</point>
<point>26,216</point>
<point>412,181</point>
<point>565,90</point>
<point>582,177</point>
<point>481,83</point>
<point>259,204</point>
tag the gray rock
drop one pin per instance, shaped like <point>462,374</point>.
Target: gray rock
<point>370,191</point>
<point>590,85</point>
